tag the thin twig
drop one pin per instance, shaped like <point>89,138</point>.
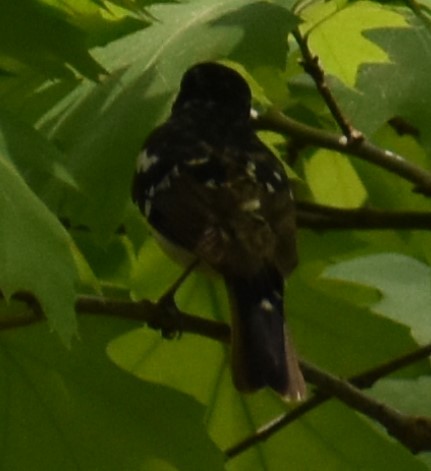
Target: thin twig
<point>312,66</point>
<point>274,426</point>
<point>174,287</point>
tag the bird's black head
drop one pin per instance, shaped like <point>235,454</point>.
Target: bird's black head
<point>217,88</point>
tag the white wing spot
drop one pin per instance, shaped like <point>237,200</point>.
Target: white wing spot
<point>145,161</point>
<point>251,205</point>
<point>270,188</point>
<point>277,175</point>
<point>266,305</point>
<point>251,169</point>
<point>198,161</point>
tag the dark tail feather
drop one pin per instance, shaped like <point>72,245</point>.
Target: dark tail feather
<point>262,354</point>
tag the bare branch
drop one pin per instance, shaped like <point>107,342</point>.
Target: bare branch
<point>317,216</point>
<point>155,315</point>
<point>312,66</point>
<point>276,121</point>
<point>399,425</point>
<point>413,432</point>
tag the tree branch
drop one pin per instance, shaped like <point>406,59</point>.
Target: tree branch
<point>276,121</point>
<point>414,432</point>
<point>364,380</point>
<point>321,217</point>
<point>156,315</point>
<point>312,66</point>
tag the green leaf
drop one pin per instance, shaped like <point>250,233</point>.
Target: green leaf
<point>100,21</point>
<point>111,261</point>
<point>33,34</point>
<point>36,159</point>
<point>404,90</point>
<point>153,272</point>
<point>395,88</point>
<point>409,396</point>
<point>73,409</point>
<point>322,312</point>
<point>403,282</point>
<point>343,58</point>
<point>333,180</point>
<point>253,21</point>
<point>34,252</point>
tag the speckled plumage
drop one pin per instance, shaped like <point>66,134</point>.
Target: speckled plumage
<point>206,183</point>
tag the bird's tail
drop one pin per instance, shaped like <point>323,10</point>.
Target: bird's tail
<point>262,354</point>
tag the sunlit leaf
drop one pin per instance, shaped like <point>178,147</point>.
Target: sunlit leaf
<point>333,181</point>
<point>343,58</point>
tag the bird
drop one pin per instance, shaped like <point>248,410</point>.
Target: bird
<point>212,191</point>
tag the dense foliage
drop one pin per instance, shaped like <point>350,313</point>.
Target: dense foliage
<point>86,383</point>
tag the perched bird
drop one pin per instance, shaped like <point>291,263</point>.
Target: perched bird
<point>209,186</point>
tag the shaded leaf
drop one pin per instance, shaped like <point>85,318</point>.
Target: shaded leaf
<point>409,396</point>
<point>99,21</point>
<point>403,282</point>
<point>33,34</point>
<point>37,160</point>
<point>73,409</point>
<point>34,252</point>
